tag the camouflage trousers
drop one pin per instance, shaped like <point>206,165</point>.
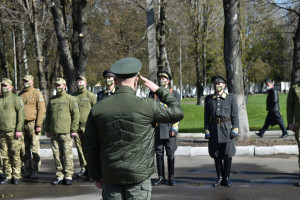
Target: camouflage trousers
<point>32,159</point>
<point>80,149</point>
<point>140,191</point>
<point>297,137</point>
<point>63,156</point>
<point>10,154</point>
<point>4,161</point>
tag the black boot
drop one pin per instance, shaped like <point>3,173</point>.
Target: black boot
<point>219,170</point>
<point>227,167</point>
<point>160,170</point>
<point>171,162</point>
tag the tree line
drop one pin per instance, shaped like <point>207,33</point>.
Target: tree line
<point>246,41</point>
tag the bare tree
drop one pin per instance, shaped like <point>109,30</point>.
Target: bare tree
<point>234,70</point>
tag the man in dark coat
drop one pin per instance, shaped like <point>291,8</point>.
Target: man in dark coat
<point>273,117</point>
<point>221,127</point>
<point>110,85</point>
<point>165,135</point>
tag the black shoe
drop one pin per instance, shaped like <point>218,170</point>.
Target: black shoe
<point>83,172</point>
<point>68,182</point>
<point>26,174</point>
<point>172,181</point>
<point>226,182</point>
<point>15,181</point>
<point>261,135</point>
<point>284,135</point>
<point>34,175</point>
<point>57,182</point>
<point>218,182</point>
<point>161,180</point>
<point>5,181</point>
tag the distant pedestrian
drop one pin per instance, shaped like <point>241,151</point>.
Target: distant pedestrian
<point>62,120</point>
<point>11,124</point>
<point>110,85</point>
<point>165,135</point>
<point>34,106</point>
<point>119,134</point>
<point>86,100</point>
<point>221,127</point>
<point>273,118</point>
<point>293,113</point>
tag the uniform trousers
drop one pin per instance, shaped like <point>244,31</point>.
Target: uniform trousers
<point>32,147</point>
<point>79,141</point>
<point>63,155</point>
<point>297,137</point>
<point>140,191</point>
<point>10,149</point>
<point>169,144</point>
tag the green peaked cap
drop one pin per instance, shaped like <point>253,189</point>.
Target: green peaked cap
<point>126,67</point>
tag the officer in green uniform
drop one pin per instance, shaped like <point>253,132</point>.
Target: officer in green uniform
<point>62,120</point>
<point>34,106</point>
<point>221,127</point>
<point>119,135</point>
<point>86,100</point>
<point>165,135</point>
<point>11,123</point>
<point>293,113</point>
<point>110,85</point>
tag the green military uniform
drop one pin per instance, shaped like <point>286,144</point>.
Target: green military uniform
<point>11,121</point>
<point>86,100</point>
<point>119,137</point>
<point>34,106</point>
<point>293,112</point>
<point>62,118</point>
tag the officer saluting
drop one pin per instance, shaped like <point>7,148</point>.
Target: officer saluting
<point>165,135</point>
<point>221,127</point>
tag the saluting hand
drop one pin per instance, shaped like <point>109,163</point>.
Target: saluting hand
<point>149,84</point>
<point>18,134</point>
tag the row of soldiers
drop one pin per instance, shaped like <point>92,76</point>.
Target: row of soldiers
<point>21,122</point>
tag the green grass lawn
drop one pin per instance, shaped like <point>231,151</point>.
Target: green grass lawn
<point>193,121</point>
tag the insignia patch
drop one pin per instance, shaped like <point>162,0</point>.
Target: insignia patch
<point>41,98</point>
<point>162,104</point>
<point>21,103</point>
<point>76,105</point>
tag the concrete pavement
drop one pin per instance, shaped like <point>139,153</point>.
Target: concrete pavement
<point>253,177</point>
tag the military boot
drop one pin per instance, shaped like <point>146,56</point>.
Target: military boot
<point>226,174</point>
<point>160,170</point>
<point>171,162</point>
<point>219,170</point>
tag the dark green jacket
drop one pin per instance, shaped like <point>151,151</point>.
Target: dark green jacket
<point>86,100</point>
<point>293,104</point>
<point>12,113</point>
<point>62,115</point>
<point>119,137</point>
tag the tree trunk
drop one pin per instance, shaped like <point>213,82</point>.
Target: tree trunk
<point>25,60</point>
<point>3,55</point>
<point>63,45</point>
<point>296,55</point>
<point>151,40</point>
<point>233,62</point>
<point>19,54</point>
<point>162,60</point>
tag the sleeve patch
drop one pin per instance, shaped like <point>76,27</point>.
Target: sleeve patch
<point>163,104</point>
<point>41,99</point>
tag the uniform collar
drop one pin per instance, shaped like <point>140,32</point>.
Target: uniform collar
<point>109,91</point>
<point>28,89</point>
<point>124,89</point>
<point>223,96</point>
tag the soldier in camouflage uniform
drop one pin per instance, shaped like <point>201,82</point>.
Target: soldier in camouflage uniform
<point>293,113</point>
<point>34,106</point>
<point>86,100</point>
<point>11,123</point>
<point>62,120</point>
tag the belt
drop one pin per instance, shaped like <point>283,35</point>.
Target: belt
<point>221,120</point>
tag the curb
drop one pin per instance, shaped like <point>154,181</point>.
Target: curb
<point>203,151</point>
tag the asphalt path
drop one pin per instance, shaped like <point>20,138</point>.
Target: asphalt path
<point>253,177</point>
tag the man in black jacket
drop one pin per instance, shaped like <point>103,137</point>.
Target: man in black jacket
<point>165,135</point>
<point>273,117</point>
<point>110,85</point>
